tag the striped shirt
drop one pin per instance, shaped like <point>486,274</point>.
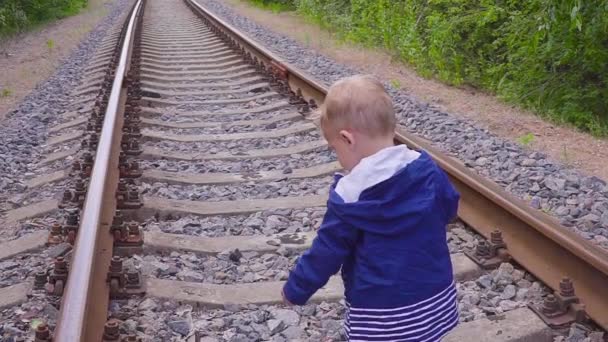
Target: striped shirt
<point>427,320</point>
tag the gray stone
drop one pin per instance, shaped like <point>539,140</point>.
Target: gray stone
<point>181,327</point>
<point>331,325</point>
<point>58,250</point>
<point>293,333</point>
<point>554,183</point>
<point>482,161</point>
<point>471,298</point>
<point>485,281</point>
<point>289,317</point>
<point>308,310</point>
<point>590,218</point>
<point>509,292</point>
<point>508,305</point>
<point>604,220</point>
<point>528,162</point>
<point>596,336</point>
<point>8,265</point>
<point>189,275</point>
<point>148,304</point>
<point>50,311</point>
<point>577,333</point>
<point>522,294</point>
<point>275,326</point>
<point>504,273</point>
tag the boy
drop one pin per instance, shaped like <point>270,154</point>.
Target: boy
<point>385,225</point>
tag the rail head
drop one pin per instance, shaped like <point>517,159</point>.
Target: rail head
<point>75,306</point>
<point>527,232</point>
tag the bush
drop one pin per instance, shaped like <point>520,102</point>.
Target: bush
<point>547,55</point>
<point>19,15</point>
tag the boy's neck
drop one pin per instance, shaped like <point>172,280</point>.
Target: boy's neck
<point>373,146</point>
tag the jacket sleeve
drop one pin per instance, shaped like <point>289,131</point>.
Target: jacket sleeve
<point>329,249</point>
<point>449,196</point>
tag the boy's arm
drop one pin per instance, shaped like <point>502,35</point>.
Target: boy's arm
<point>332,245</point>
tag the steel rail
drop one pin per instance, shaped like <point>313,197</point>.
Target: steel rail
<point>535,240</point>
<point>77,300</point>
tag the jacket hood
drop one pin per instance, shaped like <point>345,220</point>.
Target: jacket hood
<point>392,191</point>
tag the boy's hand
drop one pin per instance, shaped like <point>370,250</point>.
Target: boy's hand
<point>285,300</point>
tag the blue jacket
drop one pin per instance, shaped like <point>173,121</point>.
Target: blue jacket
<point>390,243</point>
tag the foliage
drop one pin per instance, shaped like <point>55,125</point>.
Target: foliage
<point>19,15</point>
<point>6,92</point>
<point>50,44</point>
<point>547,55</point>
<point>275,6</point>
<point>526,139</point>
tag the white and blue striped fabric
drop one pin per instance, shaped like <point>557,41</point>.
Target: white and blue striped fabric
<point>428,320</point>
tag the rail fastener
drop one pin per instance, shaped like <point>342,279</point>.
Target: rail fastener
<point>561,308</point>
<point>58,277</point>
<point>56,235</point>
<point>123,283</point>
<point>489,254</point>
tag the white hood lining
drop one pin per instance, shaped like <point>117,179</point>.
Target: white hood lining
<point>373,170</point>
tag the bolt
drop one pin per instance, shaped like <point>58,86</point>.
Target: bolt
<point>61,266</point>
<point>133,228</point>
<point>132,278</point>
<point>55,237</point>
<point>133,194</point>
<point>116,264</point>
<point>67,195</point>
<point>43,333</point>
<point>56,229</point>
<point>122,185</point>
<point>79,185</point>
<point>88,158</point>
<point>111,331</point>
<point>72,219</point>
<point>566,287</point>
<point>76,165</point>
<point>40,280</point>
<point>496,237</point>
<point>118,219</point>
<point>483,249</point>
<point>550,305</point>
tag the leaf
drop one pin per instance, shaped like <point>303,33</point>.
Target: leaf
<point>574,12</point>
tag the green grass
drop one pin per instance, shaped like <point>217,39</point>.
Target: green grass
<point>23,15</point>
<point>526,139</point>
<point>50,44</point>
<point>396,84</point>
<point>548,56</point>
<point>274,6</point>
<point>6,92</point>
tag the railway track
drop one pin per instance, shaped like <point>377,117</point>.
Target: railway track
<point>201,177</point>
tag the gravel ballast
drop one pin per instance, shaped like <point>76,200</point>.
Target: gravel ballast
<point>265,222</point>
<point>25,130</point>
<point>286,164</point>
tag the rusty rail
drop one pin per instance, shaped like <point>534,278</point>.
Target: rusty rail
<point>535,240</point>
<point>80,301</point>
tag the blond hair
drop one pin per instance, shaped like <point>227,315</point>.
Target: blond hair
<point>359,103</point>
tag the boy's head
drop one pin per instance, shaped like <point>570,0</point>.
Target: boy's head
<point>357,119</point>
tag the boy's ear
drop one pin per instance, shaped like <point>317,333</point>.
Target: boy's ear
<point>347,137</point>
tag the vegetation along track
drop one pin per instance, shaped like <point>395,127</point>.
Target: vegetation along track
<point>209,177</point>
